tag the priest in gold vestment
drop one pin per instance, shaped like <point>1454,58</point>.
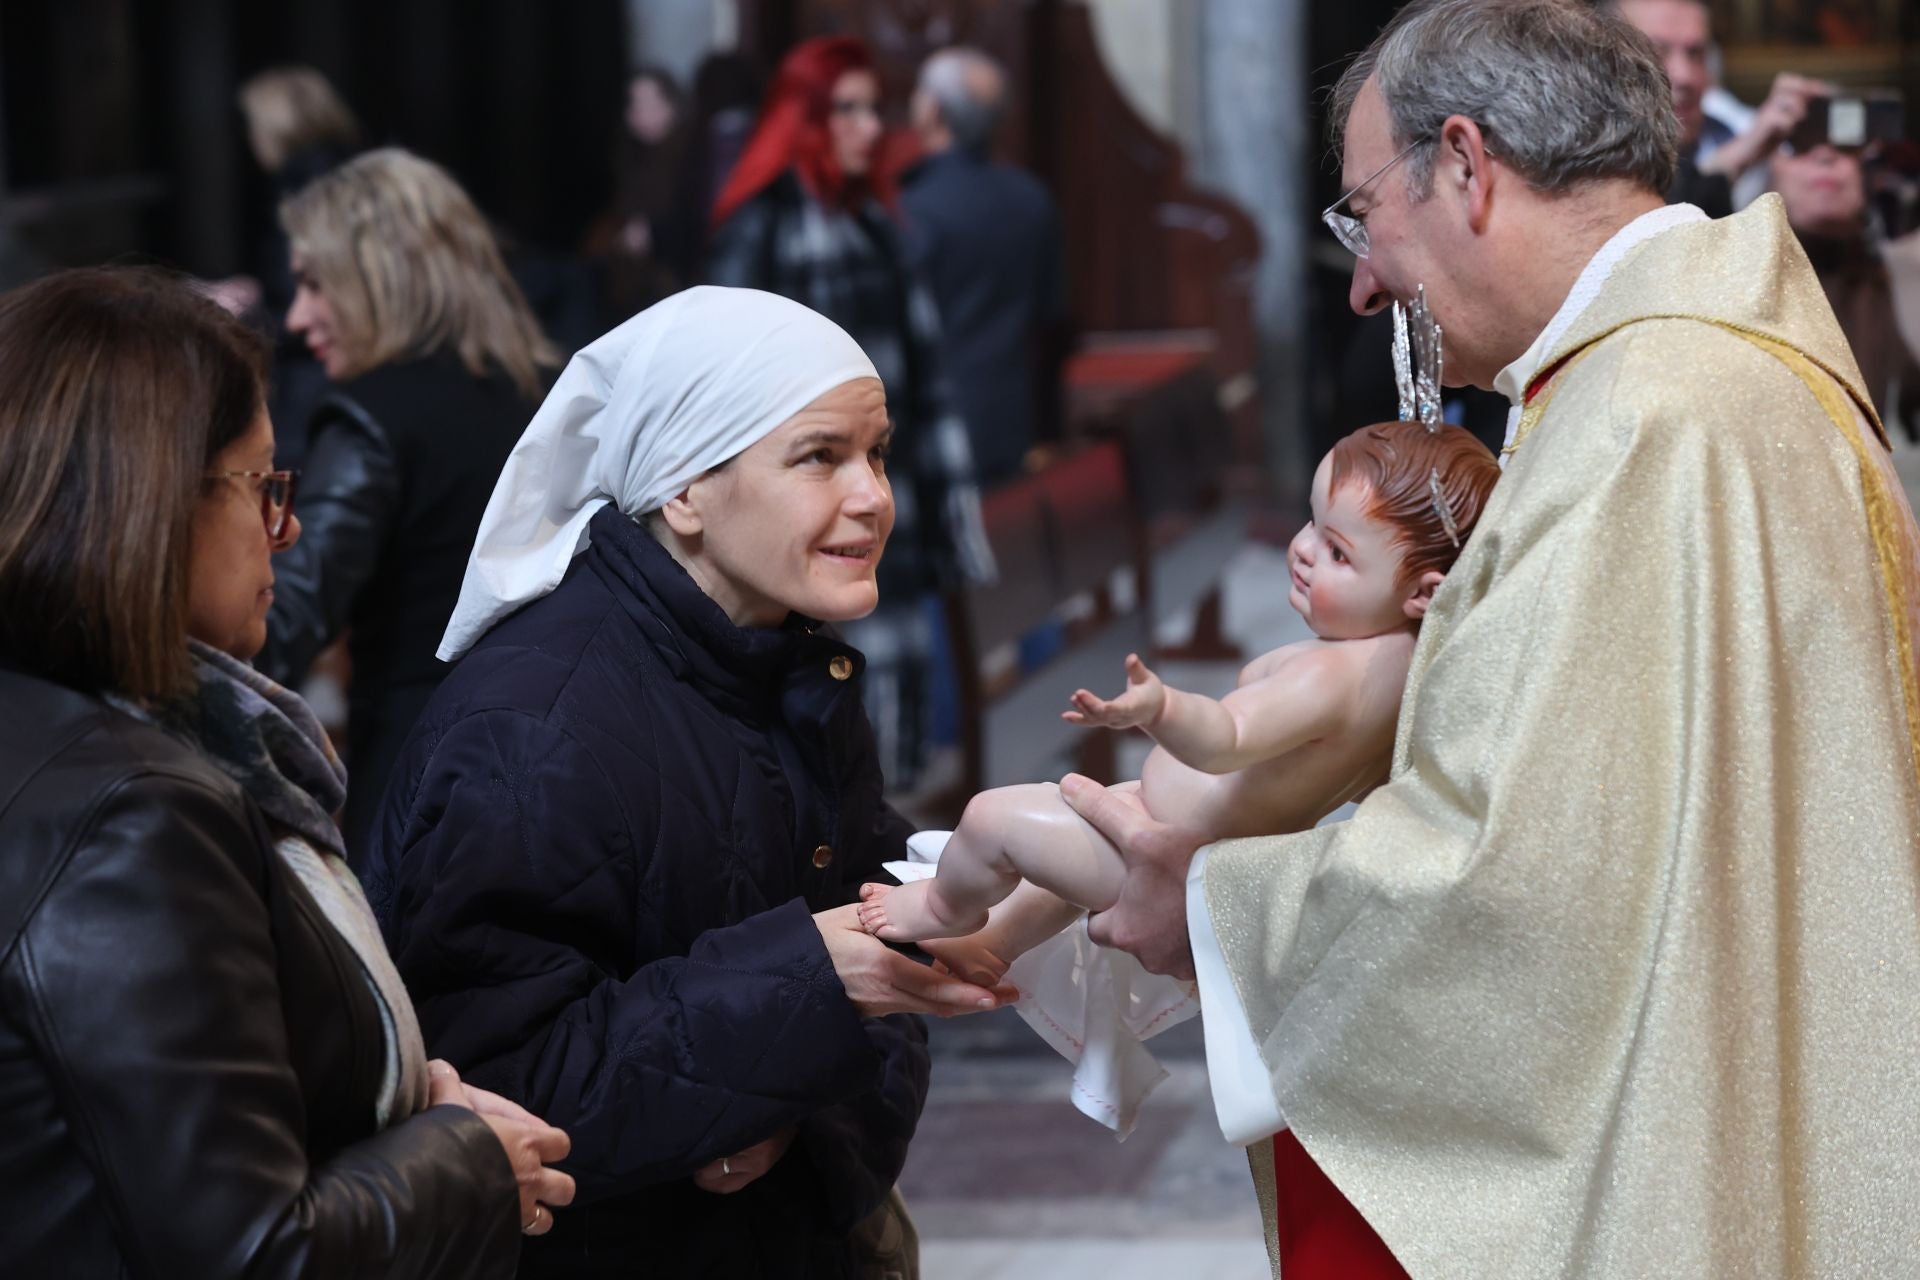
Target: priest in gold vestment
<point>1618,972</point>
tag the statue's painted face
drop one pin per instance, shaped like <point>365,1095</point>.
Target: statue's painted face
<point>1345,565</point>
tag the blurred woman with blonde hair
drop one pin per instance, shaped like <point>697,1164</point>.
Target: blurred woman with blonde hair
<point>436,363</point>
<point>293,112</point>
<point>297,128</point>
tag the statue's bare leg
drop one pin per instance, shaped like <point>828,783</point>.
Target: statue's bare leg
<point>1005,835</point>
<point>1028,917</point>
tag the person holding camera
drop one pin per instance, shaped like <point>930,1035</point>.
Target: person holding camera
<point>1714,156</point>
<point>1867,279</point>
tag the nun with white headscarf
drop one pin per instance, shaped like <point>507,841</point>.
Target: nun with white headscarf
<point>618,858</point>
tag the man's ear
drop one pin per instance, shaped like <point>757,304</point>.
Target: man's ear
<point>1462,161</point>
<point>1422,594</point>
<point>682,513</point>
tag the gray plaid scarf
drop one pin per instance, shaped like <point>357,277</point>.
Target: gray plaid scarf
<point>269,741</point>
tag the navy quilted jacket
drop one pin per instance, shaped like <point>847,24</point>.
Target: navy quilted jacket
<point>596,866</point>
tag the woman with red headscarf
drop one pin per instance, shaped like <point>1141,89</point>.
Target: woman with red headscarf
<point>807,213</point>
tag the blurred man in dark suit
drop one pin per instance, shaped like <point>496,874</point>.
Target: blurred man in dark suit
<point>986,238</point>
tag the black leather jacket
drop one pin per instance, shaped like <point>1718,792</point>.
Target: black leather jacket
<point>400,466</point>
<point>188,1052</point>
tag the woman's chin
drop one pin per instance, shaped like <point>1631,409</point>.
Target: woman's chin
<point>244,645</point>
<point>845,604</point>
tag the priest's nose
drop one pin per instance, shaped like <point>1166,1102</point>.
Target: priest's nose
<point>1366,296</point>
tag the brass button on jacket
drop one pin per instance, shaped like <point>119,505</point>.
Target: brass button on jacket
<point>841,667</point>
<point>823,855</point>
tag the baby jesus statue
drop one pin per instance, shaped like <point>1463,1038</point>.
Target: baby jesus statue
<point>1309,727</point>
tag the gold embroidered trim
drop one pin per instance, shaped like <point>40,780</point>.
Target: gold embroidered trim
<point>1882,511</point>
<point>1266,1189</point>
<point>1530,416</point>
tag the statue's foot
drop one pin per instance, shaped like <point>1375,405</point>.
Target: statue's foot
<point>914,912</point>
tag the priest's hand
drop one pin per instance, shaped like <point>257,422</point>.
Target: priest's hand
<point>1150,919</point>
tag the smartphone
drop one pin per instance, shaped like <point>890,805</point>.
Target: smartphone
<point>1851,121</point>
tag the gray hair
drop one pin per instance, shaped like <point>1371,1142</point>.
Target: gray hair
<point>954,78</point>
<point>1566,92</point>
<point>1615,6</point>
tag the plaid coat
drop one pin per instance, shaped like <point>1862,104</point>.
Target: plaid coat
<point>852,268</point>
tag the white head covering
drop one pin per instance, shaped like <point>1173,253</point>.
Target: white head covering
<point>635,417</point>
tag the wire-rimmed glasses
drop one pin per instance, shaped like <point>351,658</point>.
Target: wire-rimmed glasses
<point>276,495</point>
<point>1349,230</point>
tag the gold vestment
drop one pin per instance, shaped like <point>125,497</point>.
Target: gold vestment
<point>1619,974</point>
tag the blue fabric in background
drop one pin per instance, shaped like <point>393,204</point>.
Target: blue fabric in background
<point>1037,648</point>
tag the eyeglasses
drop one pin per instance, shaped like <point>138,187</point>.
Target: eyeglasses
<point>1349,230</point>
<point>276,495</point>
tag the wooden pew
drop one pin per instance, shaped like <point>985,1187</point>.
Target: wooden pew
<point>1068,544</point>
<point>1159,396</point>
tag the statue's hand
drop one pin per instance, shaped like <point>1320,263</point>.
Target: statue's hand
<point>1144,698</point>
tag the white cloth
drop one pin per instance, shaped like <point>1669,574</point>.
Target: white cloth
<point>635,417</point>
<point>1731,115</point>
<point>1514,380</point>
<point>1726,119</point>
<point>1094,1005</point>
<point>1243,1100</point>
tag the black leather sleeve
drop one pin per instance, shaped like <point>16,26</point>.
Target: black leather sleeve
<point>147,977</point>
<point>347,502</point>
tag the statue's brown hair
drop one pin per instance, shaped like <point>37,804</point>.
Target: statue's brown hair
<point>1396,461</point>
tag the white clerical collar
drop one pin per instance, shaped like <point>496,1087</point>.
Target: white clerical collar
<point>1518,376</point>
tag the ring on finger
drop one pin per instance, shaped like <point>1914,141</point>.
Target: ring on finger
<point>533,1224</point>
<point>726,1169</point>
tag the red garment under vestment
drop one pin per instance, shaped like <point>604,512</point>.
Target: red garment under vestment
<point>1321,1235</point>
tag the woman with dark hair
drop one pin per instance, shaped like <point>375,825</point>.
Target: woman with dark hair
<point>726,100</point>
<point>436,363</point>
<point>635,244</point>
<point>807,213</point>
<point>208,1066</point>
